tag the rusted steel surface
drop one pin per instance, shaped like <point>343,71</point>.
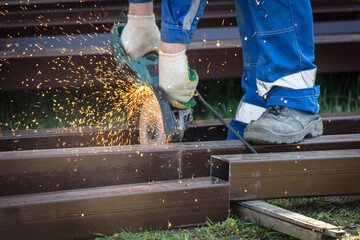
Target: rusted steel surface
<point>60,169</point>
<point>75,214</point>
<point>209,130</point>
<point>196,157</point>
<point>291,174</point>
<point>28,171</point>
<point>36,37</point>
<point>45,17</point>
<point>335,53</point>
<point>67,138</point>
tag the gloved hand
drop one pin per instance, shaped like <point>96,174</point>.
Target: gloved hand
<point>140,36</point>
<point>177,79</point>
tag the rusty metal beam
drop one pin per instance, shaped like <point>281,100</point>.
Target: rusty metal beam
<point>290,174</point>
<point>61,169</point>
<point>75,214</point>
<point>335,53</point>
<point>67,138</point>
<point>210,130</point>
<point>35,171</point>
<point>336,29</point>
<point>196,156</point>
<point>45,17</point>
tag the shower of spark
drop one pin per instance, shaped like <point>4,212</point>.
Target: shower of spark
<point>118,102</point>
<point>94,95</point>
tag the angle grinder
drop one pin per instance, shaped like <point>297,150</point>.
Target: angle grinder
<point>159,122</point>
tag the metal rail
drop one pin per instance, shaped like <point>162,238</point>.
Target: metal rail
<point>211,130</point>
<point>23,172</point>
<point>294,174</point>
<point>76,214</point>
<point>37,39</point>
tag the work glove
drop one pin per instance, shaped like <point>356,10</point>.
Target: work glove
<point>177,79</point>
<point>140,36</point>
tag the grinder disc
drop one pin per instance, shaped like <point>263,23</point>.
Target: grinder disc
<point>151,122</point>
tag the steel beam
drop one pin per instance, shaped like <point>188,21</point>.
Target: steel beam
<point>290,174</point>
<point>24,172</point>
<point>210,130</point>
<point>37,37</point>
<point>60,169</point>
<point>75,214</point>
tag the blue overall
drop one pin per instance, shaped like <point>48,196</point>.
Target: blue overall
<point>278,52</point>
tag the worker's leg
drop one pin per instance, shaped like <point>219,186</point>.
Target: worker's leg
<point>251,105</point>
<point>285,74</point>
<point>179,21</point>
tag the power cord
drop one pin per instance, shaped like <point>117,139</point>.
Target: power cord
<point>202,100</point>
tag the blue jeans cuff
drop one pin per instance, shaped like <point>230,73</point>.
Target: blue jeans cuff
<point>140,1</point>
<point>175,34</point>
<point>239,127</point>
<point>302,99</point>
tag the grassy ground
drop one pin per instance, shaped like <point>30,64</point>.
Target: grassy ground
<point>339,211</point>
<point>232,228</point>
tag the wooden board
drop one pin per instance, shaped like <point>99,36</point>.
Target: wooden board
<point>282,220</point>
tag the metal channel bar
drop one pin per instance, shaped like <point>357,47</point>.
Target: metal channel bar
<point>196,158</point>
<point>23,172</point>
<point>290,174</point>
<point>216,63</point>
<point>333,55</point>
<point>67,138</point>
<point>75,214</point>
<point>209,130</point>
<point>42,17</point>
<point>337,40</point>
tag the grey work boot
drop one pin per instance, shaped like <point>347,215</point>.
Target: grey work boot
<point>279,124</point>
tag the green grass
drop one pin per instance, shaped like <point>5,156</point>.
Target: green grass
<point>232,228</point>
<point>340,211</point>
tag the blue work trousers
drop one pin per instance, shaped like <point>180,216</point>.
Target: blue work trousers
<point>278,54</point>
<point>179,19</point>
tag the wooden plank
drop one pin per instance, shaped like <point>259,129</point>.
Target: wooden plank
<point>74,214</point>
<point>282,220</point>
<point>290,174</point>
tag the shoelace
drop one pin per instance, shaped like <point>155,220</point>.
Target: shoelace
<point>276,109</point>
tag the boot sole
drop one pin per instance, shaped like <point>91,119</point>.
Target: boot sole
<point>313,129</point>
